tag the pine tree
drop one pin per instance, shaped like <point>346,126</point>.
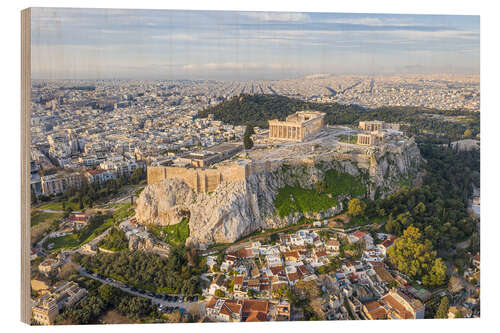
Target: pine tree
<point>442,311</point>
<point>247,140</point>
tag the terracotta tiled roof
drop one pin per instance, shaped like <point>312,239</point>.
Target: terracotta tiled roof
<point>293,276</point>
<point>256,316</point>
<point>321,253</point>
<point>245,253</point>
<point>359,234</point>
<point>255,305</point>
<point>277,270</point>
<point>238,280</point>
<point>397,306</point>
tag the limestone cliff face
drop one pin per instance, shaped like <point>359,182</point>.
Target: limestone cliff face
<point>394,168</point>
<point>165,203</point>
<point>236,209</point>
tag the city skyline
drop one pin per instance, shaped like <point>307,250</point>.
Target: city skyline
<point>172,44</point>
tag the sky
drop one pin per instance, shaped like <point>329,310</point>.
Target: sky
<point>227,45</point>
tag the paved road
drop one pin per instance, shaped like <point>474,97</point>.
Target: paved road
<point>192,307</point>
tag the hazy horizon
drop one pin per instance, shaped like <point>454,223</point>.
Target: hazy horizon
<point>95,44</point>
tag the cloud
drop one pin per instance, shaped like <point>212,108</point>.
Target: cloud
<point>278,17</point>
<point>177,37</point>
<point>370,21</point>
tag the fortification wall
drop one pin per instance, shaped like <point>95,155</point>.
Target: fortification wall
<point>200,180</point>
<point>155,174</point>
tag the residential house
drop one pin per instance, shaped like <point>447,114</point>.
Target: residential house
<point>373,310</point>
<point>333,245</point>
<point>386,244</point>
<point>402,306</point>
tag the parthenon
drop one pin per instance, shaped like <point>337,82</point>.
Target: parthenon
<point>297,126</point>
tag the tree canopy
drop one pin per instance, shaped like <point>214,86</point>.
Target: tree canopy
<point>432,124</point>
<point>442,311</point>
<point>356,207</point>
<point>415,256</point>
<point>247,139</point>
<point>150,271</point>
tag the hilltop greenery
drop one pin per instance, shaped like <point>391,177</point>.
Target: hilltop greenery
<point>322,196</point>
<point>175,234</point>
<point>291,199</point>
<point>437,125</point>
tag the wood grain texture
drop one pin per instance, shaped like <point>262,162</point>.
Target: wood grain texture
<point>25,164</point>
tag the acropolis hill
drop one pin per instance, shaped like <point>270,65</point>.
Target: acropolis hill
<point>234,197</point>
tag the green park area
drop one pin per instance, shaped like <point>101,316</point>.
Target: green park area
<point>174,235</point>
<point>97,225</point>
<point>38,217</point>
<point>115,240</point>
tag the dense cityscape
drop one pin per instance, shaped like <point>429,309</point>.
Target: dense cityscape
<point>83,127</point>
<point>324,250</point>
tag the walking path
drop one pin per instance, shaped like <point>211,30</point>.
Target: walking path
<point>191,307</point>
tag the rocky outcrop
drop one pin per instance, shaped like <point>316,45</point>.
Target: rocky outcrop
<point>147,244</point>
<point>236,209</point>
<point>165,203</point>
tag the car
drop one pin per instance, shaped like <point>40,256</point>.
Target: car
<point>181,299</point>
<point>164,297</point>
<point>175,298</point>
<point>133,288</point>
<point>195,298</point>
<point>189,299</point>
